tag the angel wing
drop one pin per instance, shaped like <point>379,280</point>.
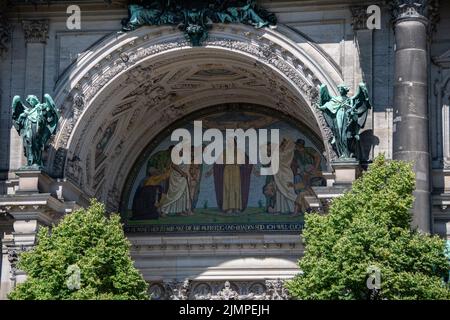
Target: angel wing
<point>52,116</point>
<point>324,95</point>
<point>17,109</point>
<point>324,98</point>
<point>361,104</point>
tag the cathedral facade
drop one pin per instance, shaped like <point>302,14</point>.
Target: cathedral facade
<point>124,75</point>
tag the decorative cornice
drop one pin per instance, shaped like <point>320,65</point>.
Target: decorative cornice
<point>35,31</point>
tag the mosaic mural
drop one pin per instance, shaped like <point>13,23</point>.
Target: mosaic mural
<point>164,197</point>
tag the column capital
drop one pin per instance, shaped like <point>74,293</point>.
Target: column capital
<point>36,31</point>
<point>425,10</point>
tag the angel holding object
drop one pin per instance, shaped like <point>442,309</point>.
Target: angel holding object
<point>345,116</point>
<point>35,122</point>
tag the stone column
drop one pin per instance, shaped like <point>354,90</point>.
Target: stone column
<point>411,129</point>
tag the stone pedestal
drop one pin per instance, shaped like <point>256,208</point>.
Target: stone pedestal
<point>33,181</point>
<point>345,171</point>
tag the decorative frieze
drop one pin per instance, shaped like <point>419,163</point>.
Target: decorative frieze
<point>177,290</point>
<point>275,290</point>
<point>219,290</point>
<point>35,31</point>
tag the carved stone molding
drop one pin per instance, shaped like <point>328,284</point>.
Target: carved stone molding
<point>219,290</point>
<point>35,31</point>
<point>177,290</point>
<point>276,290</point>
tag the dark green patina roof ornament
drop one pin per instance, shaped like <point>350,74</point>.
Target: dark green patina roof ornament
<point>345,116</point>
<point>195,18</point>
<point>35,122</point>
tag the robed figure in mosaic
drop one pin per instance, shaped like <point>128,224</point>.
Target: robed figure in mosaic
<point>232,180</point>
<point>345,116</point>
<point>35,122</point>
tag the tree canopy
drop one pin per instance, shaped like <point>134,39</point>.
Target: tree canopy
<point>86,256</point>
<point>366,229</point>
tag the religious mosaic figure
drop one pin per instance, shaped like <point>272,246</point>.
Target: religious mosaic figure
<point>232,181</point>
<point>195,176</point>
<point>285,195</point>
<point>305,165</point>
<point>35,122</point>
<point>153,186</point>
<point>345,116</point>
<point>177,200</point>
<point>269,188</point>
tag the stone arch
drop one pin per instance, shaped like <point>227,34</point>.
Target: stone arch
<point>126,69</point>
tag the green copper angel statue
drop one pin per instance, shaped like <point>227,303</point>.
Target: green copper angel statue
<point>345,116</point>
<point>195,18</point>
<point>35,122</point>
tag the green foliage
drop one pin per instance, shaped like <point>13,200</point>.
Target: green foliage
<point>369,226</point>
<point>94,243</point>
